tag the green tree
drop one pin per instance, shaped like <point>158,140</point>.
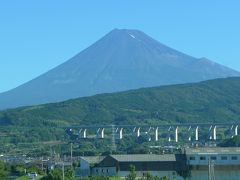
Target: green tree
<point>148,176</point>
<point>35,168</point>
<point>132,173</point>
<point>185,174</point>
<point>164,178</point>
<point>19,169</point>
<point>69,173</point>
<point>75,164</point>
<point>3,171</point>
<point>55,174</point>
<point>99,178</point>
<point>233,142</point>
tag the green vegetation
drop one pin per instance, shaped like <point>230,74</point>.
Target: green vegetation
<point>3,171</point>
<point>185,174</point>
<point>23,178</point>
<point>209,101</point>
<point>232,142</point>
<point>100,178</point>
<point>114,178</point>
<point>147,176</point>
<point>132,173</point>
<point>20,172</point>
<point>164,178</point>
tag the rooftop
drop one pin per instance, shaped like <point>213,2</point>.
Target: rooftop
<point>213,150</point>
<point>144,157</point>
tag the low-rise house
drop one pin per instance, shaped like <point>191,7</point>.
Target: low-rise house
<point>86,164</point>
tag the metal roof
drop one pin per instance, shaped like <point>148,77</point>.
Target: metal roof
<point>144,157</point>
<point>213,150</point>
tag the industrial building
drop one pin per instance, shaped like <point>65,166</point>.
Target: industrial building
<point>220,156</point>
<point>226,162</point>
<point>118,165</point>
<point>193,162</point>
<point>157,165</point>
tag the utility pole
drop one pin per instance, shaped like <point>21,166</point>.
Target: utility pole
<point>42,163</point>
<point>211,173</point>
<point>63,170</point>
<point>71,152</point>
<point>209,170</point>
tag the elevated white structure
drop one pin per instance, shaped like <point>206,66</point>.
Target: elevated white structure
<point>191,131</point>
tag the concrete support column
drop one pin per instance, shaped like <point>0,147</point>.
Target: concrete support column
<point>189,133</point>
<point>98,132</point>
<point>156,134</point>
<point>176,134</point>
<point>85,133</point>
<point>149,133</point>
<point>236,130</point>
<point>169,134</point>
<point>169,138</point>
<point>134,130</point>
<point>121,133</point>
<point>102,133</point>
<point>79,133</point>
<point>196,133</point>
<point>138,132</point>
<point>231,131</point>
<point>214,133</point>
<point>210,133</point>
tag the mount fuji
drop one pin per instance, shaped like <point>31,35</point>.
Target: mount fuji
<point>121,60</point>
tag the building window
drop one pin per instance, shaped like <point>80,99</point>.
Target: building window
<point>202,158</point>
<point>213,158</point>
<point>234,158</point>
<point>107,170</point>
<point>96,170</point>
<point>192,158</point>
<point>223,157</point>
<point>102,170</point>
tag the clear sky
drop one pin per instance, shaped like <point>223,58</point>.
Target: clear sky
<point>36,36</point>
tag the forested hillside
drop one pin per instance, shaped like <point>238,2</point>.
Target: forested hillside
<point>210,101</point>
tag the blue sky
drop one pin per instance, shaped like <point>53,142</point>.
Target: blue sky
<point>36,36</point>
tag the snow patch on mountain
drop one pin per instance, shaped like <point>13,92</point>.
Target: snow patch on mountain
<point>132,36</point>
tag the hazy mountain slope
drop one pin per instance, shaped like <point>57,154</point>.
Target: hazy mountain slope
<point>121,60</point>
<point>208,101</point>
